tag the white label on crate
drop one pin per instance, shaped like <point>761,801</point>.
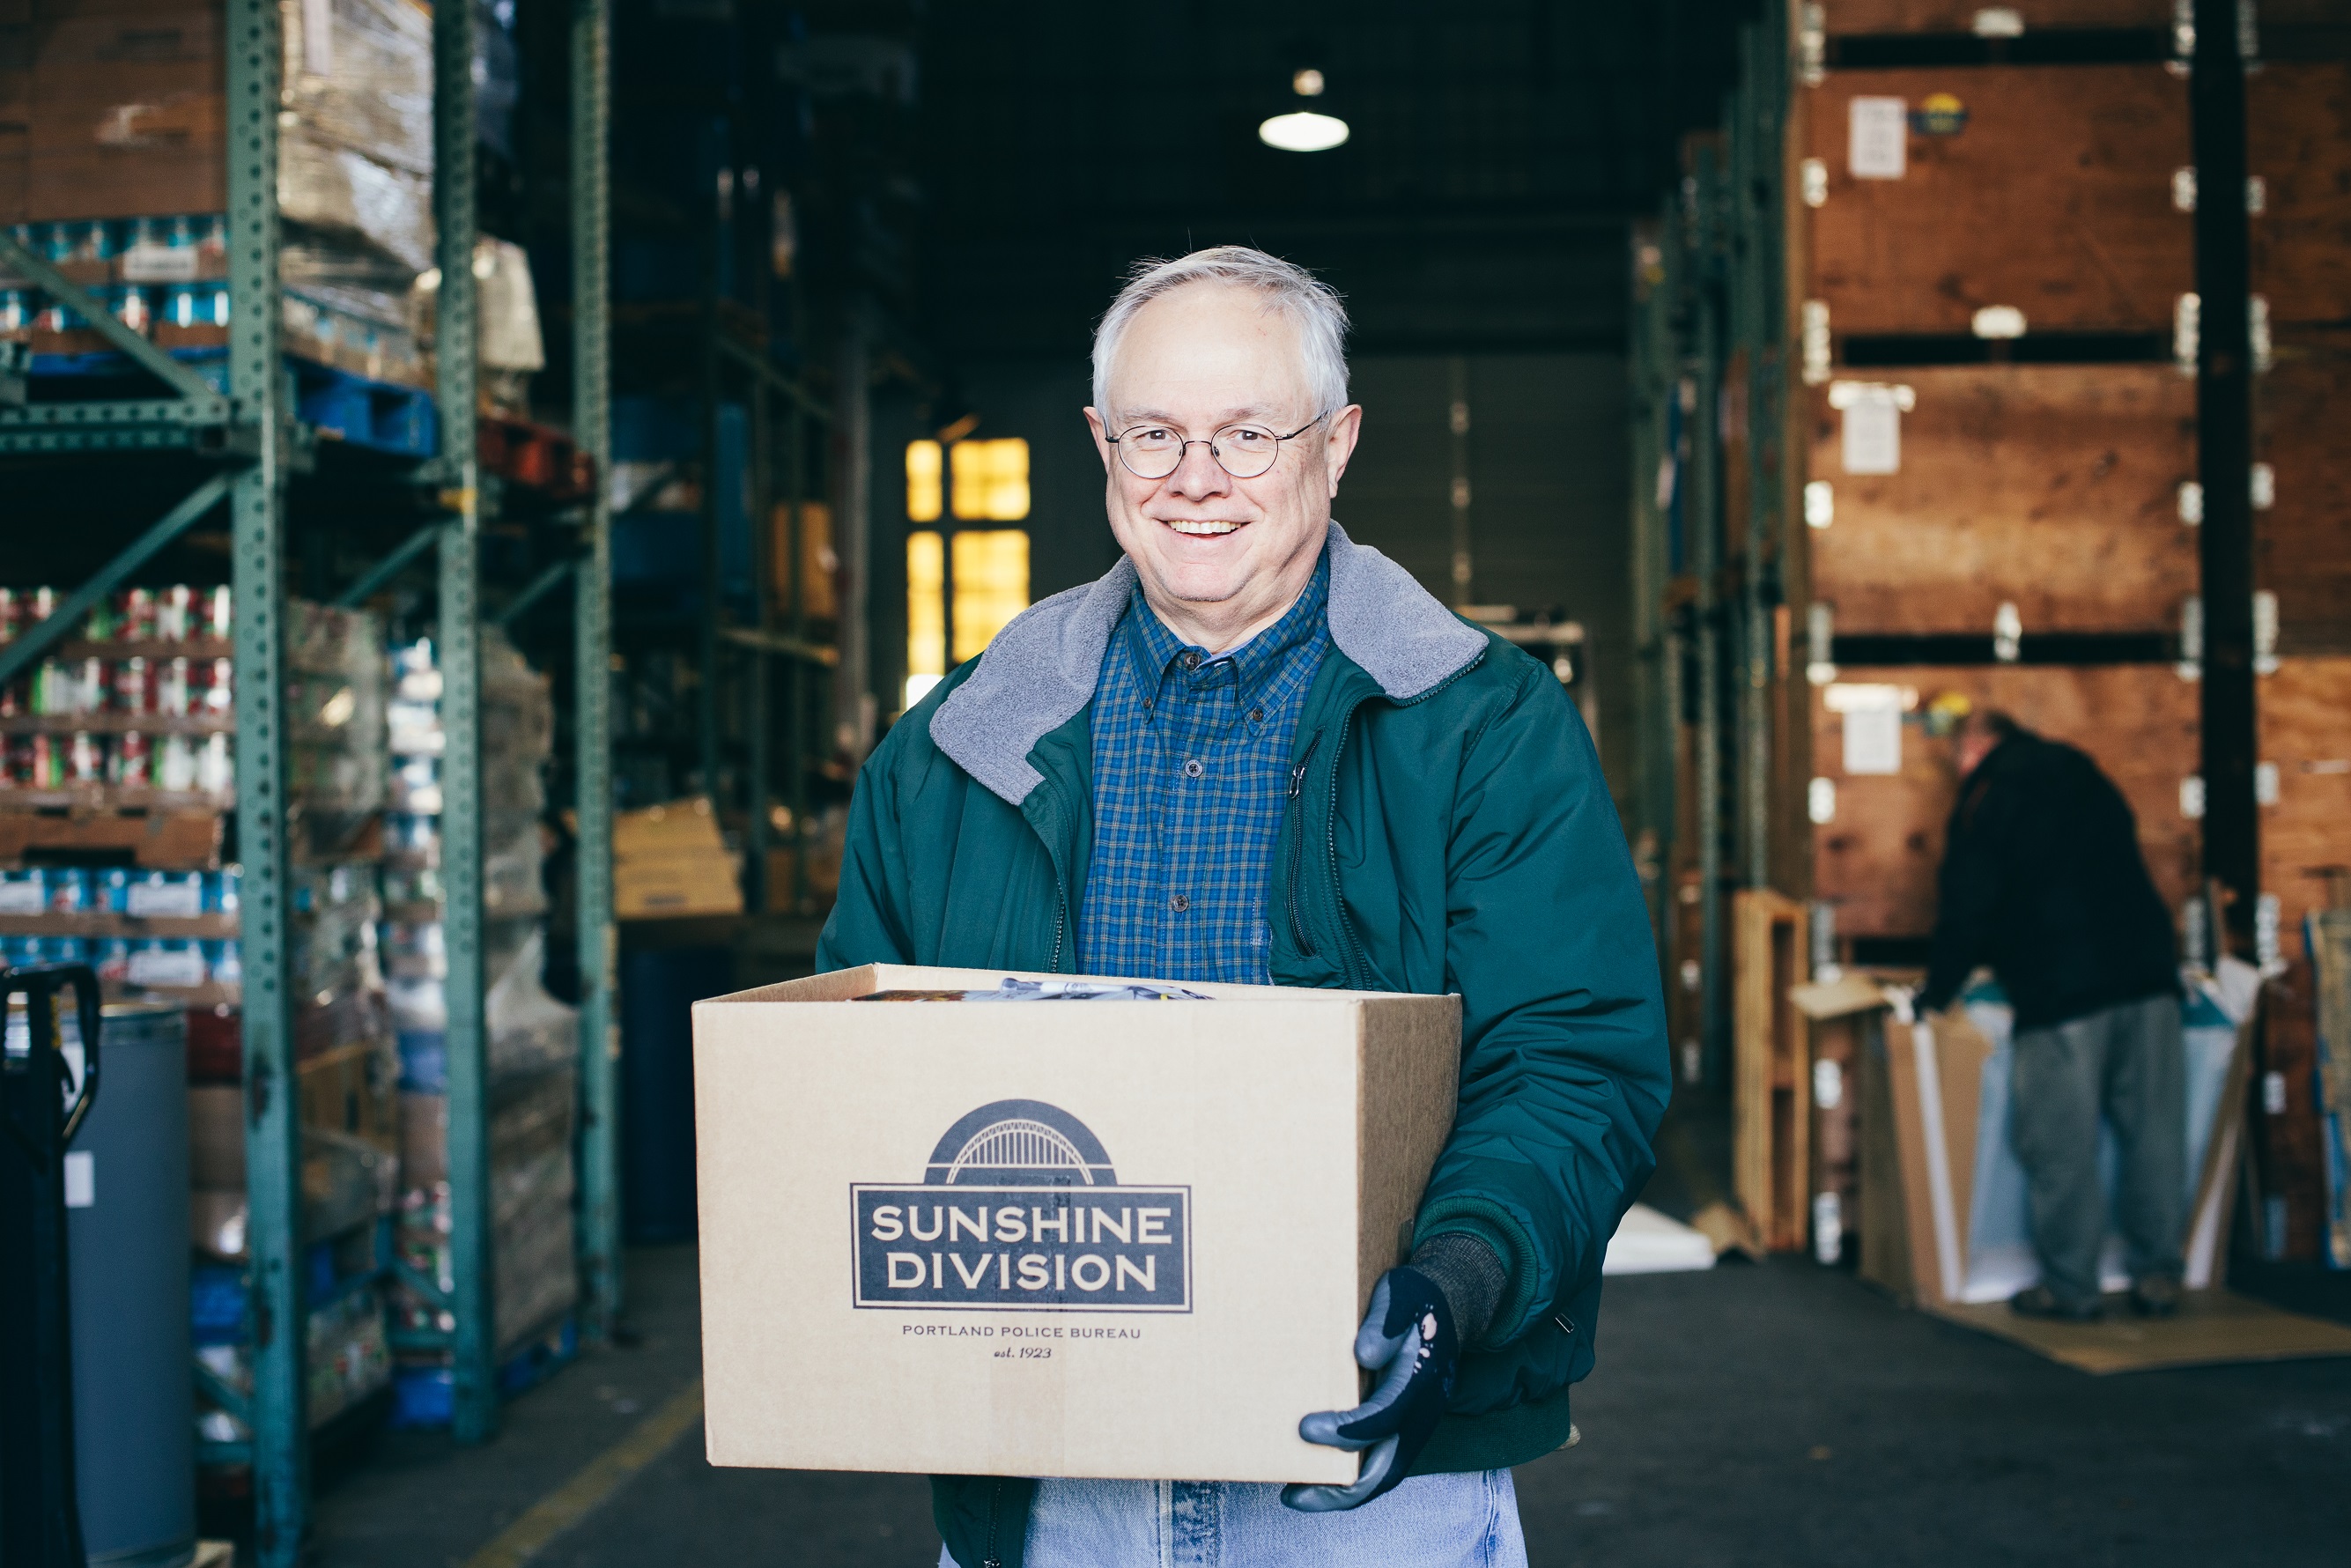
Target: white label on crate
<point>1820,800</point>
<point>168,968</point>
<point>82,1179</point>
<point>22,897</point>
<point>1872,437</point>
<point>1877,144</point>
<point>179,898</point>
<point>146,262</point>
<point>1873,734</point>
<point>2273,1093</point>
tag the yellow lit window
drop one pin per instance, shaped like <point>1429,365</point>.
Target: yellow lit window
<point>991,581</point>
<point>923,503</point>
<point>926,616</point>
<point>991,480</point>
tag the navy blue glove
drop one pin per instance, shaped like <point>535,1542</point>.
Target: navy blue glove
<point>1407,1338</point>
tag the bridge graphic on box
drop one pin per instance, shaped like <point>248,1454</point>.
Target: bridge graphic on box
<point>1020,1209</point>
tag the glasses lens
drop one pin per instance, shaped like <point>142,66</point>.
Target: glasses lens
<point>1247,451</point>
<point>1150,451</point>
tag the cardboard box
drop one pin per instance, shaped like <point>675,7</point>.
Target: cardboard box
<point>667,887</point>
<point>679,827</point>
<point>671,861</point>
<point>1222,1181</point>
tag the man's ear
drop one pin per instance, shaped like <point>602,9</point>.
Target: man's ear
<point>1339,445</point>
<point>1102,436</point>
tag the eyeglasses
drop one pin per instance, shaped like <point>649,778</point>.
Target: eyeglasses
<point>1243,451</point>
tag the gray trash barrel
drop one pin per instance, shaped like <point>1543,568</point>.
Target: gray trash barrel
<point>127,1237</point>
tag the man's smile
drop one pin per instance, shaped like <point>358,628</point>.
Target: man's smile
<point>1203,527</point>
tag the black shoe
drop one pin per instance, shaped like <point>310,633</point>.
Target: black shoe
<point>2040,1301</point>
<point>2156,1297</point>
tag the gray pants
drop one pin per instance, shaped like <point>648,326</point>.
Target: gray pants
<point>2126,1061</point>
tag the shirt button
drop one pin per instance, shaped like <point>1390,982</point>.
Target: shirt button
<point>1192,769</point>
<point>1192,661</point>
<point>1179,903</point>
<point>1256,716</point>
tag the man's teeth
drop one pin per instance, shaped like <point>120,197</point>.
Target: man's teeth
<point>1201,526</point>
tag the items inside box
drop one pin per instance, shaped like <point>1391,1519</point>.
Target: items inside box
<point>1012,990</point>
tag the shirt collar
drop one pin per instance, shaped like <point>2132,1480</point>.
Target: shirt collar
<point>1156,651</point>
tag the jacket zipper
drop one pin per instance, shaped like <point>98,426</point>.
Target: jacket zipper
<point>1347,967</point>
<point>1298,845</point>
<point>995,1508</point>
<point>1060,922</point>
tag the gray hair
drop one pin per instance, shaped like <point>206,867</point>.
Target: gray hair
<point>1310,305</point>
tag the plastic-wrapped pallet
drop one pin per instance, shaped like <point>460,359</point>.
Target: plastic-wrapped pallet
<point>532,1039</point>
<point>357,156</point>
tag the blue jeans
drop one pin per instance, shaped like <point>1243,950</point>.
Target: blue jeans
<point>1464,1520</point>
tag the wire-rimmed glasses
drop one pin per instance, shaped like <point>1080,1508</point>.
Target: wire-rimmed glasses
<point>1244,451</point>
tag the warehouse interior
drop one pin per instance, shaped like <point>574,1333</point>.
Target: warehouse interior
<point>477,480</point>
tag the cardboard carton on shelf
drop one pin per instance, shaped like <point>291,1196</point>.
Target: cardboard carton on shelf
<point>1118,1238</point>
<point>670,861</point>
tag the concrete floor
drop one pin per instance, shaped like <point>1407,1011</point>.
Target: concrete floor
<point>1781,1414</point>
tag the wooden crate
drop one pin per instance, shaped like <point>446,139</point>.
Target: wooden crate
<point>1770,1154</point>
<point>2053,487</point>
<point>1848,17</point>
<point>2306,733</point>
<point>2298,141</point>
<point>1875,861</point>
<point>2302,541</point>
<point>2052,197</point>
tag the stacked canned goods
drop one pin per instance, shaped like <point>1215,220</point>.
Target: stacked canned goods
<point>125,667</point>
<point>165,277</point>
<point>60,894</point>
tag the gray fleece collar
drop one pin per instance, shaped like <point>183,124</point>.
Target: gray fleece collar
<point>1040,670</point>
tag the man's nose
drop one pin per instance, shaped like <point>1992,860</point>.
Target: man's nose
<point>1200,474</point>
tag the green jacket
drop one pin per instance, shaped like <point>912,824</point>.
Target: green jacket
<point>1448,830</point>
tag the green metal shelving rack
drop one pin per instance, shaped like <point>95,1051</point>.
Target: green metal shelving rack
<point>1710,335</point>
<point>252,433</point>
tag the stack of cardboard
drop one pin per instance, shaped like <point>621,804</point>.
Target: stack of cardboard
<point>671,861</point>
<point>125,114</point>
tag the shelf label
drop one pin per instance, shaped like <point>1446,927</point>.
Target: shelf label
<point>149,263</point>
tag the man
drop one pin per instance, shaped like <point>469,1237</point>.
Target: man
<point>1258,752</point>
<point>2043,879</point>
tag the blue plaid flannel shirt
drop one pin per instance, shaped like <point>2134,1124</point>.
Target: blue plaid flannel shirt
<point>1191,759</point>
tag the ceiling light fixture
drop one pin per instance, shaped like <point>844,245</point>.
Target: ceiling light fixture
<point>1303,131</point>
<point>1306,83</point>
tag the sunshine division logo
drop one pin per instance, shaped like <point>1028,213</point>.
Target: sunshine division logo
<point>1021,1208</point>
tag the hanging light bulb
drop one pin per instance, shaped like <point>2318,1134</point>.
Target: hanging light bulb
<point>1303,130</point>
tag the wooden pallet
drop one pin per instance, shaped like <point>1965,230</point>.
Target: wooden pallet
<point>525,453</point>
<point>2052,487</point>
<point>1772,1099</point>
<point>160,839</point>
<point>149,649</point>
<point>134,928</point>
<point>2053,196</point>
<point>1876,859</point>
<point>118,723</point>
